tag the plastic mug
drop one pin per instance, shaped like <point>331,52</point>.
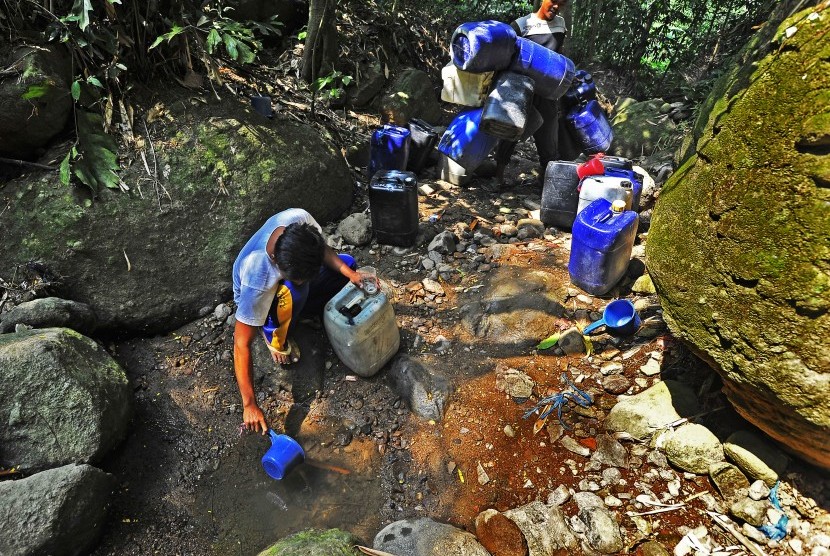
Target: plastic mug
<point>593,167</point>
<point>284,455</point>
<point>369,279</point>
<point>619,317</point>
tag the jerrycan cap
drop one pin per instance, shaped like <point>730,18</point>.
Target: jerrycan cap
<point>618,206</point>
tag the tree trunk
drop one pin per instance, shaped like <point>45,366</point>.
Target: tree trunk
<point>321,41</point>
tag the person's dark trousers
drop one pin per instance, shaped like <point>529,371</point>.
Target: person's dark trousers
<point>325,286</point>
<point>546,137</point>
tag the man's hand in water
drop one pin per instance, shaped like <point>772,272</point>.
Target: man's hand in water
<point>254,419</point>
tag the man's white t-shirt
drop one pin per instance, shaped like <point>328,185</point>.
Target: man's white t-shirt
<point>255,275</point>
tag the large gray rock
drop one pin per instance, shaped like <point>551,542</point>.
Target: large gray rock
<point>226,170</point>
<point>35,103</point>
<point>693,448</point>
<point>51,312</point>
<point>645,413</point>
<point>516,308</point>
<point>367,85</point>
<point>422,387</point>
<point>749,287</point>
<point>356,229</point>
<point>425,537</point>
<point>312,542</point>
<point>63,399</point>
<point>59,512</point>
<point>412,95</point>
<point>640,128</point>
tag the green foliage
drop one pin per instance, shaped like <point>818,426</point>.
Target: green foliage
<point>332,85</point>
<point>216,32</point>
<point>115,44</point>
<point>93,161</point>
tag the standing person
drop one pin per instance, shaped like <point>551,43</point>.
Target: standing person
<point>285,268</point>
<point>545,27</point>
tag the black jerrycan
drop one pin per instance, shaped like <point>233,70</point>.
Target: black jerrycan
<point>393,202</point>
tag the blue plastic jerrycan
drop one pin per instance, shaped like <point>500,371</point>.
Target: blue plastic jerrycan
<point>389,149</point>
<point>603,237</point>
<point>590,127</point>
<point>465,143</point>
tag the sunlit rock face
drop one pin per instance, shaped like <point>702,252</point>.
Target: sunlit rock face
<point>739,246</point>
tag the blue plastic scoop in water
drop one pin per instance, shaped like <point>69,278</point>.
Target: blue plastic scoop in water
<point>284,455</point>
<point>619,317</point>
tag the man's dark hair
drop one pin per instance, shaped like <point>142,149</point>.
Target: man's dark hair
<point>299,252</point>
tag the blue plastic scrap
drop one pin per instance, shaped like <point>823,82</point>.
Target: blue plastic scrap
<point>779,530</point>
<point>546,405</point>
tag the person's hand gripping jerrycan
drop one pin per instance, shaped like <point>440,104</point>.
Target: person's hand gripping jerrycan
<point>284,455</point>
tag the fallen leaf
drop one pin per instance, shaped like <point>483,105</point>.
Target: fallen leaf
<point>548,342</point>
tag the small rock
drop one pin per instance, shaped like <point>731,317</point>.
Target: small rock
<point>514,383</point>
<point>432,286</point>
<point>611,476</point>
<point>356,229</point>
<point>651,368</point>
<point>611,368</point>
<point>573,446</point>
<point>754,534</point>
<point>693,447</point>
<point>616,384</point>
<point>729,480</point>
<point>571,341</point>
<point>758,490</point>
<point>443,243</point>
<point>559,496</point>
<point>610,452</point>
<point>582,298</point>
<point>222,312</point>
<point>508,431</point>
<point>653,548</point>
<point>530,228</point>
<point>644,285</point>
<point>483,478</point>
<point>755,456</point>
<point>750,511</point>
<point>612,501</point>
<point>797,545</point>
<point>424,189</point>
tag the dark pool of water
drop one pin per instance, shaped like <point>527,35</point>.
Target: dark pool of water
<point>248,511</point>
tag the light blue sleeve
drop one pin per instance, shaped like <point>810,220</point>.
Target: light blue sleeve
<point>258,281</point>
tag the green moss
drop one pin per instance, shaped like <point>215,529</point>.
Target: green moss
<point>739,246</point>
<point>332,542</point>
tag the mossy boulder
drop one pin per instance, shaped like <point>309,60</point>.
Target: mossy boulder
<point>35,102</point>
<point>739,247</point>
<point>332,542</point>
<point>150,259</point>
<point>63,399</point>
<point>412,95</point>
<point>640,128</point>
